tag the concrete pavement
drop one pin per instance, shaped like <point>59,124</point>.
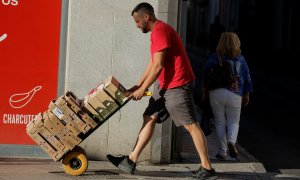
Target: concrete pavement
<point>246,168</point>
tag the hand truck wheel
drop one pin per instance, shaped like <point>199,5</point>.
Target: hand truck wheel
<point>75,163</point>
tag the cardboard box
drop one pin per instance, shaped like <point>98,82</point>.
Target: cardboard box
<point>64,113</point>
<point>55,110</point>
<point>60,101</point>
<point>73,127</point>
<point>75,99</point>
<point>67,111</point>
<point>70,140</point>
<point>98,106</point>
<point>88,120</point>
<point>49,125</point>
<point>37,122</point>
<point>72,102</point>
<point>66,120</point>
<point>80,123</point>
<point>50,138</point>
<point>112,86</point>
<point>45,146</point>
<point>62,133</point>
<point>57,123</point>
<point>95,115</point>
<point>106,100</point>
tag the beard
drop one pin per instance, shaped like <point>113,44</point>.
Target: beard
<point>144,30</point>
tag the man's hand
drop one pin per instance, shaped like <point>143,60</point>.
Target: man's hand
<point>138,94</point>
<point>128,92</point>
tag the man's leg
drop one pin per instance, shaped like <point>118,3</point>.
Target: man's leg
<point>128,163</point>
<point>200,144</point>
<point>145,135</point>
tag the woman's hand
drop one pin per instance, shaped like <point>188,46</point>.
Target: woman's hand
<point>245,100</point>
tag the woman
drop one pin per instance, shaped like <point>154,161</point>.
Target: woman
<point>226,101</point>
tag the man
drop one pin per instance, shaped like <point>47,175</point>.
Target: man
<point>170,65</point>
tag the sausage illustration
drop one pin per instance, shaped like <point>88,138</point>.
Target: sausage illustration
<point>22,99</point>
<point>3,37</point>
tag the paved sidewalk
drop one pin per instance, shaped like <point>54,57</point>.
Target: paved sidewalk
<point>43,169</point>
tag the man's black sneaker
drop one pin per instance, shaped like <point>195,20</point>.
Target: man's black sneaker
<point>205,174</point>
<point>232,150</point>
<point>220,157</point>
<point>123,163</point>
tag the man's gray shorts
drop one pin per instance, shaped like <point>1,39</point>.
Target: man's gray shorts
<point>176,103</point>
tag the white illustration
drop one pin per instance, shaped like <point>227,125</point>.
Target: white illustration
<point>22,99</point>
<point>3,37</point>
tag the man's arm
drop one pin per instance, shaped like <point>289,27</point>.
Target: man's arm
<point>144,76</point>
<point>150,77</point>
<point>142,79</point>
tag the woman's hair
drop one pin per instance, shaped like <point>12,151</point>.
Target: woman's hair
<point>229,45</point>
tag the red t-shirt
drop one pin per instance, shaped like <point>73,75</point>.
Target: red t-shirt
<point>177,69</point>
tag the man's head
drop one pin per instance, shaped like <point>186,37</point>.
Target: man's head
<point>143,15</point>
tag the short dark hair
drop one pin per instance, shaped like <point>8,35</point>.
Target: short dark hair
<point>146,7</point>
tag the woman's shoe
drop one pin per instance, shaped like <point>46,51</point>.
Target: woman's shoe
<point>232,150</point>
<point>220,157</point>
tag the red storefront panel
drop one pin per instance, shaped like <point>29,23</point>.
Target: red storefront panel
<point>29,57</point>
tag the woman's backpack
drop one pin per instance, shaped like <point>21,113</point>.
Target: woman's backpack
<point>219,76</point>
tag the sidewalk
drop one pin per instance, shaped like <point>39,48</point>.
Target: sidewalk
<point>44,169</point>
<point>245,167</point>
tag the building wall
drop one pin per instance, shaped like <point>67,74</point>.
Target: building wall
<point>102,40</point>
<point>99,38</point>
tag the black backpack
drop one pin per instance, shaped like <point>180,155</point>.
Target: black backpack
<point>219,76</point>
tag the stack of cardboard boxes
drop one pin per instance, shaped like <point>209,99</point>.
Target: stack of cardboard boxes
<point>69,120</point>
